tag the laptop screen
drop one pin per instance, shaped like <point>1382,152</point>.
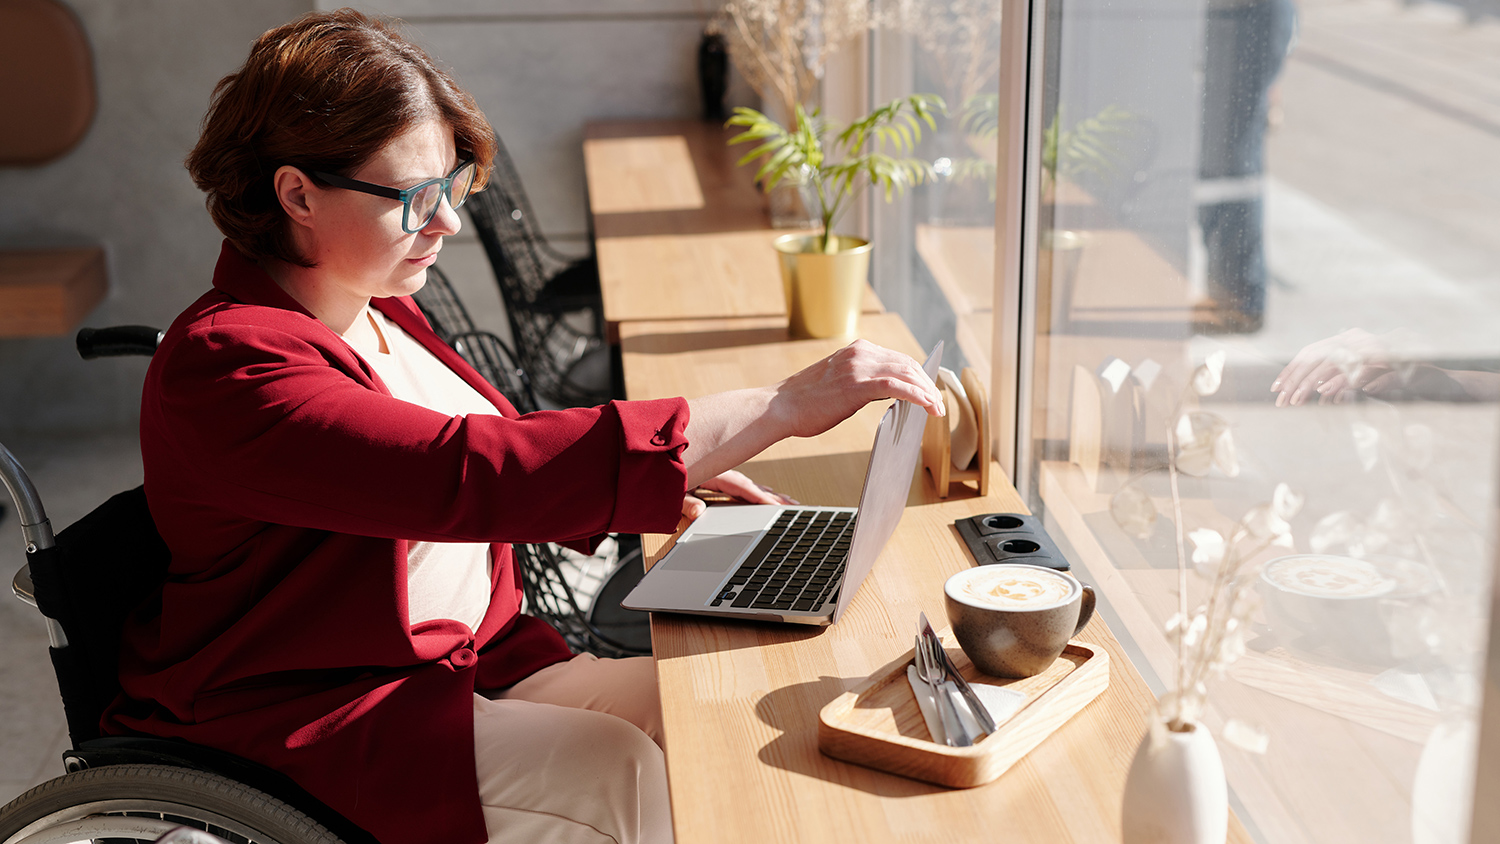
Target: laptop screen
<point>893,459</point>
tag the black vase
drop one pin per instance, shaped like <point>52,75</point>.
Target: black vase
<point>713,74</point>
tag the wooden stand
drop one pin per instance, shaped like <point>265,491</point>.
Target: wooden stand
<point>937,440</point>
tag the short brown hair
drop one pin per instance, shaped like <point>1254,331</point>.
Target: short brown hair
<point>325,92</point>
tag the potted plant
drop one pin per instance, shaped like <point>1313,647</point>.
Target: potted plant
<point>824,274</point>
<point>1089,151</point>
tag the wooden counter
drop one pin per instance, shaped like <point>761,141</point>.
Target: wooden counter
<point>680,231</point>
<point>692,292</point>
<point>741,699</point>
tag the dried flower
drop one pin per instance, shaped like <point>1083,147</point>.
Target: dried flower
<point>1208,550</point>
<point>1262,523</point>
<point>1245,736</point>
<point>1203,442</point>
<point>1210,376</point>
<point>1285,502</point>
<point>959,37</point>
<point>782,46</point>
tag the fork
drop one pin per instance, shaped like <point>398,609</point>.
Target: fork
<point>931,674</point>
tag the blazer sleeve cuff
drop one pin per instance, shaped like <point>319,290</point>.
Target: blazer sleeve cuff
<point>653,478</point>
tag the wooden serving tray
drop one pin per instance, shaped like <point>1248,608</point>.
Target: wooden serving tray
<point>878,724</point>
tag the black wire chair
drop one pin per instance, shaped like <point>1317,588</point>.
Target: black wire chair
<point>590,620</point>
<point>547,295</point>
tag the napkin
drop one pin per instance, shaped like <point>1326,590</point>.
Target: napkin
<point>964,425</point>
<point>1001,702</point>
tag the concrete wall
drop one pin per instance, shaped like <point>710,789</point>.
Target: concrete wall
<point>124,186</point>
<point>539,68</point>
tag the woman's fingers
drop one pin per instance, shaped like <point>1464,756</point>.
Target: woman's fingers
<point>692,507</point>
<point>1302,365</point>
<point>1330,367</point>
<point>881,373</point>
<point>831,390</point>
<point>737,485</point>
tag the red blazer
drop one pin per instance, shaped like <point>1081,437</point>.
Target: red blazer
<point>287,481</point>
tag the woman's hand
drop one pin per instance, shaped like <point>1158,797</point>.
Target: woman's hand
<point>726,429</point>
<point>735,485</point>
<point>1332,368</point>
<point>834,388</point>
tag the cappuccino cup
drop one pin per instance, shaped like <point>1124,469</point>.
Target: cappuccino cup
<point>1013,620</point>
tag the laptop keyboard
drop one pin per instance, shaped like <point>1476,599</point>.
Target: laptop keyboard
<point>798,565</point>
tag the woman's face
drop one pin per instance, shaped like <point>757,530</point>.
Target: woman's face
<point>356,238</point>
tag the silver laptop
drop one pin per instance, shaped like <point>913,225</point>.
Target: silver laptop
<point>798,564</point>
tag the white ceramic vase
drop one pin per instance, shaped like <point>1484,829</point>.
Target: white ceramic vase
<point>1442,790</point>
<point>1175,791</point>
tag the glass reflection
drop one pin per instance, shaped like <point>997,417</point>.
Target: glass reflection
<point>1310,190</point>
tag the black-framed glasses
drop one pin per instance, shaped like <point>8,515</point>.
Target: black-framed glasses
<point>420,202</point>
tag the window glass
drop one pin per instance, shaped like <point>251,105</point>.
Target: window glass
<point>935,260</point>
<point>1309,191</point>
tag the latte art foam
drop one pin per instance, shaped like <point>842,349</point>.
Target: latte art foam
<point>1328,577</point>
<point>1013,587</point>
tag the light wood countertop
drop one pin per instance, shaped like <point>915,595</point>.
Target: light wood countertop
<point>741,700</point>
<point>680,231</point>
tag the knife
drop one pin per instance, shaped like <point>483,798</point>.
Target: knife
<point>954,734</point>
<point>950,672</point>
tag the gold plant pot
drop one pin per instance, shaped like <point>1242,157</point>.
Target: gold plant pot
<point>823,291</point>
<point>1057,257</point>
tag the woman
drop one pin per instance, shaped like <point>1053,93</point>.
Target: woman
<point>338,489</point>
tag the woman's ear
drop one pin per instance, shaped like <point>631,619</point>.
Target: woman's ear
<point>295,190</point>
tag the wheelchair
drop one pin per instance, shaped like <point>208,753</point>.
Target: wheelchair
<point>85,580</point>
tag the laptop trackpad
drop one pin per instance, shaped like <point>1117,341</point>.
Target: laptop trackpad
<point>708,552</point>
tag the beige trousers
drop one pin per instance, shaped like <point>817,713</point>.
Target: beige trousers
<point>572,754</point>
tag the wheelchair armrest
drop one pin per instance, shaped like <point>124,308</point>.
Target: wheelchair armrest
<point>21,585</point>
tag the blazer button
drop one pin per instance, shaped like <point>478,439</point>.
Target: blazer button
<point>463,658</point>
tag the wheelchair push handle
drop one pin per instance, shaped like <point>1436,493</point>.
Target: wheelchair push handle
<point>117,341</point>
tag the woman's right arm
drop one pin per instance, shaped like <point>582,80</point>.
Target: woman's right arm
<point>726,429</point>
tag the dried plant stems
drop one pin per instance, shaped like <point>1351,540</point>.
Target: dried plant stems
<point>782,46</point>
<point>961,39</point>
<point>1177,723</point>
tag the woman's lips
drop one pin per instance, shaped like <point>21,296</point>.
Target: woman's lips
<point>425,261</point>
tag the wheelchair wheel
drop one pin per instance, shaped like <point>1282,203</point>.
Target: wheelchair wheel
<point>139,803</point>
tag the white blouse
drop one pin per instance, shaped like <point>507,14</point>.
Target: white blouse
<point>443,579</point>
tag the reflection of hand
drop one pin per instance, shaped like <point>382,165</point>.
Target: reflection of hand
<point>1333,368</point>
<point>831,390</point>
<point>737,486</point>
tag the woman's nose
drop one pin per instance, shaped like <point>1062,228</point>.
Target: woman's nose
<point>445,222</point>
